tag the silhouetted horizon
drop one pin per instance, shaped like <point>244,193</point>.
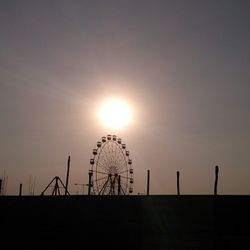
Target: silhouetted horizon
<point>182,68</point>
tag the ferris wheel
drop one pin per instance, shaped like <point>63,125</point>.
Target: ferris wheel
<point>111,167</point>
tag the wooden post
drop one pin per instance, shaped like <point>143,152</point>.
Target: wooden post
<point>1,182</point>
<point>178,182</point>
<point>20,189</point>
<point>216,179</point>
<point>67,178</point>
<point>148,181</point>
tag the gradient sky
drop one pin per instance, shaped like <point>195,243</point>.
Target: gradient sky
<point>183,66</point>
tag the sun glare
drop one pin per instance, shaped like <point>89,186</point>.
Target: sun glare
<point>115,113</point>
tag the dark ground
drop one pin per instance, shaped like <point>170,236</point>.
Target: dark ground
<point>125,222</point>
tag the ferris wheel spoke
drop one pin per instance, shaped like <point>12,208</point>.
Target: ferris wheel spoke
<point>125,171</point>
<point>109,151</point>
<point>122,189</point>
<point>102,166</point>
<point>104,186</point>
<point>108,159</point>
<point>100,185</point>
<point>99,172</point>
<point>114,151</point>
<point>102,157</point>
<point>121,167</point>
<point>123,161</point>
<point>103,161</point>
<point>124,177</point>
<point>118,160</point>
<point>119,156</point>
<point>105,158</point>
<point>99,179</point>
<point>108,156</point>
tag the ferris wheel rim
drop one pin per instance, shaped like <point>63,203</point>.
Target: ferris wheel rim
<point>97,165</point>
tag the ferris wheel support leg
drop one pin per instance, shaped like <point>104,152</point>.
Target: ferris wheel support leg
<point>104,186</point>
<point>119,184</point>
<point>112,185</point>
<point>122,191</point>
<point>90,182</point>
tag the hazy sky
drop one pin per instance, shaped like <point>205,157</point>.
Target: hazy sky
<point>183,66</point>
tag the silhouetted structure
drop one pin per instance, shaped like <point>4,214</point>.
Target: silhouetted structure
<point>148,181</point>
<point>20,189</point>
<point>90,185</point>
<point>109,160</point>
<point>178,182</point>
<point>119,184</point>
<point>216,179</point>
<point>1,181</point>
<point>67,178</point>
<point>56,187</point>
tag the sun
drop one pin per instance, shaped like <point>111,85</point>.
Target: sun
<point>115,113</point>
